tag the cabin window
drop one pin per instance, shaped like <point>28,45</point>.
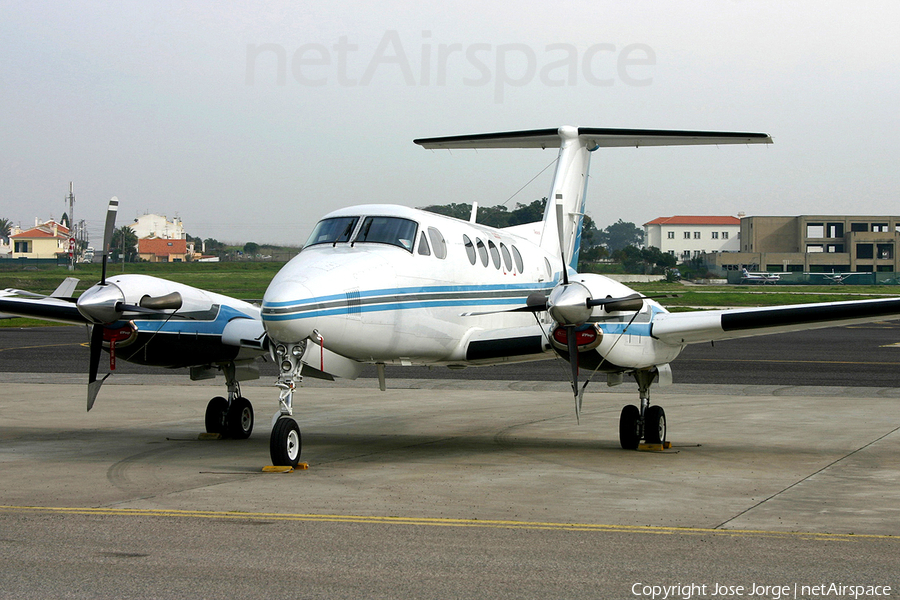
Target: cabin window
<point>507,258</point>
<point>482,251</point>
<point>495,254</point>
<point>520,265</point>
<point>423,245</point>
<point>388,230</point>
<point>332,231</point>
<point>470,249</point>
<point>437,243</point>
<point>835,230</point>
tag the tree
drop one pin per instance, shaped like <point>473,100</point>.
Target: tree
<point>124,241</point>
<point>251,248</point>
<point>644,260</point>
<point>5,229</point>
<point>499,216</point>
<point>528,213</point>
<point>621,234</point>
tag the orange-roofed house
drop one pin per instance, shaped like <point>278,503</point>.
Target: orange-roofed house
<point>45,240</point>
<point>691,236</point>
<point>162,250</point>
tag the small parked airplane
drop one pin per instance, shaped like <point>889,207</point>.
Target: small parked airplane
<point>385,284</point>
<point>748,277</point>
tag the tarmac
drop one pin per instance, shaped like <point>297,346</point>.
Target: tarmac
<point>817,467</point>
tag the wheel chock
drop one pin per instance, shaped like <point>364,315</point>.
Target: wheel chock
<point>655,447</point>
<point>210,436</point>
<point>288,469</point>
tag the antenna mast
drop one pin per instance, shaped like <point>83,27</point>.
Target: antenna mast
<point>72,226</point>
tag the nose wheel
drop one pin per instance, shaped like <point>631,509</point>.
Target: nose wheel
<point>285,443</point>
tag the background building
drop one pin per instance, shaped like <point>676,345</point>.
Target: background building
<point>163,250</point>
<point>45,240</point>
<point>689,237</point>
<point>816,244</point>
<point>158,226</point>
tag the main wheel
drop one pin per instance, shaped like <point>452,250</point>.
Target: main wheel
<point>284,444</point>
<point>655,425</point>
<point>215,415</point>
<point>239,421</point>
<point>630,427</point>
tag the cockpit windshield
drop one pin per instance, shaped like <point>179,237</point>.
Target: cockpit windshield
<point>388,230</point>
<point>332,231</point>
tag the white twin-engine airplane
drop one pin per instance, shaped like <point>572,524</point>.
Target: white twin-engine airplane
<point>383,284</point>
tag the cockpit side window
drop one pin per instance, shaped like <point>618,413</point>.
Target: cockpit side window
<point>332,231</point>
<point>388,230</point>
<point>423,245</point>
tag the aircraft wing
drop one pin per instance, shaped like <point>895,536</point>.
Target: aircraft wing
<point>49,309</point>
<point>712,325</point>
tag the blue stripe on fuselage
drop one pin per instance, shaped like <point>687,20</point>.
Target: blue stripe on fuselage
<point>192,326</point>
<point>393,300</point>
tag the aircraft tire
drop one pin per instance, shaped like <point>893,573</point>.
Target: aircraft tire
<point>285,443</point>
<point>655,425</point>
<point>215,415</point>
<point>239,421</point>
<point>630,427</point>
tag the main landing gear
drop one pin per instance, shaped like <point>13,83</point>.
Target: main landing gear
<point>231,418</point>
<point>646,423</point>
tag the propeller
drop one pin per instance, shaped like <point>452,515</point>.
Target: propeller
<point>571,305</point>
<point>89,308</point>
<point>104,303</point>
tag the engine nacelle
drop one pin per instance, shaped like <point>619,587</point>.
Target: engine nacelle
<point>587,337</point>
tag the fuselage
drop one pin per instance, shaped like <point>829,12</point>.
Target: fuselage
<point>395,285</point>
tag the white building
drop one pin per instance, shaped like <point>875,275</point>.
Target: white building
<point>689,236</point>
<point>157,226</point>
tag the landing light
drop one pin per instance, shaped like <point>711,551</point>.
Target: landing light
<point>286,366</point>
<point>297,351</point>
<point>280,350</point>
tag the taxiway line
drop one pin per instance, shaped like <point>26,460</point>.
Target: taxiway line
<point>435,522</point>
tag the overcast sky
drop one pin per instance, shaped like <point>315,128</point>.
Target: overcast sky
<point>250,120</point>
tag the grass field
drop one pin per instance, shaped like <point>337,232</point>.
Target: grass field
<point>248,281</point>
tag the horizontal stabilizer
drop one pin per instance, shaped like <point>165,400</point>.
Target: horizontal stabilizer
<point>594,138</point>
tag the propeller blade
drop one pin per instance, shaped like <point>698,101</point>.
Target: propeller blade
<point>108,233</point>
<point>625,303</point>
<point>572,345</point>
<point>535,303</point>
<point>93,383</point>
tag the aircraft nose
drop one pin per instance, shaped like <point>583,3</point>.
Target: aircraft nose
<point>289,311</point>
<point>100,304</point>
